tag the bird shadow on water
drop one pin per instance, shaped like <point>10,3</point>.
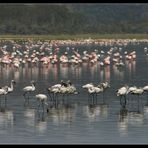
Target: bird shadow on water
<point>130,113</point>
<point>134,105</point>
<point>6,118</point>
<point>64,112</point>
<point>41,116</point>
<point>96,108</point>
<point>97,100</point>
<point>41,122</point>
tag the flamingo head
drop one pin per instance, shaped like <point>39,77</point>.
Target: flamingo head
<point>14,82</point>
<point>33,82</point>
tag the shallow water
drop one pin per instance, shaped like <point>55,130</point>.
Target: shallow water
<point>76,120</point>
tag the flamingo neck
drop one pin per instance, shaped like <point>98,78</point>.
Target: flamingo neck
<point>33,86</point>
<point>11,86</point>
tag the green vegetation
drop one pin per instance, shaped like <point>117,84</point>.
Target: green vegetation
<point>75,37</point>
<point>73,19</point>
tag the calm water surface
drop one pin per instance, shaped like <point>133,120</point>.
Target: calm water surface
<point>76,120</point>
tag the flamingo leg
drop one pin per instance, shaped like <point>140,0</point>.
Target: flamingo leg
<point>5,100</point>
<point>50,96</point>
<point>43,106</point>
<point>121,100</point>
<point>38,106</point>
<point>125,100</point>
<point>24,96</point>
<point>93,98</point>
<point>28,100</point>
<point>0,101</point>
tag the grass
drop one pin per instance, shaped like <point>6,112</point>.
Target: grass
<point>74,37</point>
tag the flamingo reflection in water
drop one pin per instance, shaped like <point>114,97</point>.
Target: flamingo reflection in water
<point>96,111</point>
<point>29,114</point>
<point>61,112</point>
<point>130,114</point>
<point>41,124</point>
<point>6,119</point>
<point>123,120</point>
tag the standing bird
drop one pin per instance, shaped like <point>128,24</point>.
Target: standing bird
<point>145,88</point>
<point>122,92</point>
<point>42,99</point>
<point>105,86</point>
<point>11,88</point>
<point>4,92</point>
<point>137,91</point>
<point>28,90</point>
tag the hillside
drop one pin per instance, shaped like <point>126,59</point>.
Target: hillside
<point>73,18</point>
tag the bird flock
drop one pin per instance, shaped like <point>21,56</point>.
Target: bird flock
<point>67,88</point>
<point>20,53</point>
<point>126,90</point>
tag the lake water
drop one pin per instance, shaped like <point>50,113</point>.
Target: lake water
<point>77,120</point>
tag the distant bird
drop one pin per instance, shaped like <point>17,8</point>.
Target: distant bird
<point>29,89</point>
<point>93,90</point>
<point>63,83</point>
<point>137,91</point>
<point>42,100</point>
<point>54,90</point>
<point>122,92</point>
<point>105,86</point>
<point>145,88</point>
<point>11,88</point>
<point>86,86</point>
<point>4,92</point>
<point>89,87</point>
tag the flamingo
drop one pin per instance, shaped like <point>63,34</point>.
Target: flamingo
<point>89,87</point>
<point>137,91</point>
<point>105,85</point>
<point>11,88</point>
<point>92,90</point>
<point>29,89</point>
<point>54,90</point>
<point>86,86</point>
<point>122,92</point>
<point>42,99</point>
<point>145,88</point>
<point>98,90</point>
<point>4,92</point>
<point>71,88</point>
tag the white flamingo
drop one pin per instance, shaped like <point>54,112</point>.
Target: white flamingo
<point>4,92</point>
<point>54,90</point>
<point>145,88</point>
<point>137,91</point>
<point>122,92</point>
<point>42,99</point>
<point>29,89</point>
<point>105,86</point>
<point>11,88</point>
<point>92,90</point>
<point>86,86</point>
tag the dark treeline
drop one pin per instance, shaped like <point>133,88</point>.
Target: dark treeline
<point>73,18</point>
